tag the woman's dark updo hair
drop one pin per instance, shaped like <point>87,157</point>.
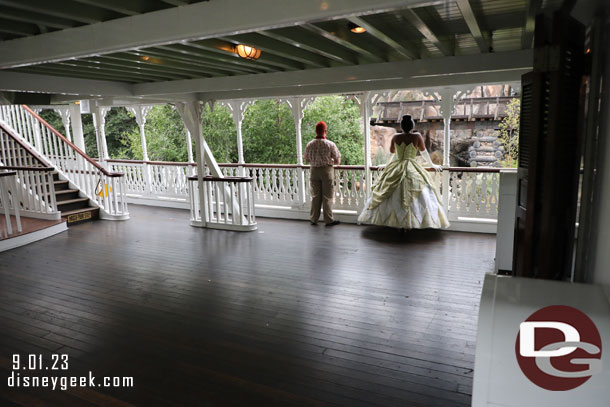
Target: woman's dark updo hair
<point>407,123</point>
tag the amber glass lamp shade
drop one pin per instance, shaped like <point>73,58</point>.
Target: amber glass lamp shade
<point>247,52</point>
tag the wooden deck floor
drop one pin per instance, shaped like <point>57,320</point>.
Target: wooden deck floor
<point>28,225</point>
<point>289,315</point>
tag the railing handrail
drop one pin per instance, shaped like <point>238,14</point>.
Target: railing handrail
<point>338,167</point>
<point>26,168</point>
<point>74,147</point>
<point>176,163</point>
<point>7,173</point>
<point>23,145</point>
<point>481,100</point>
<point>209,178</point>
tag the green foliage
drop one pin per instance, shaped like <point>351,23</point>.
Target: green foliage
<point>509,133</point>
<point>119,123</point>
<point>53,118</point>
<point>269,134</point>
<point>220,133</point>
<point>344,126</point>
<point>165,137</point>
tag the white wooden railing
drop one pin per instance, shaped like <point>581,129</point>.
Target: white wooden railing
<point>105,189</point>
<point>9,202</point>
<point>228,203</point>
<point>473,192</point>
<point>154,179</point>
<point>33,177</point>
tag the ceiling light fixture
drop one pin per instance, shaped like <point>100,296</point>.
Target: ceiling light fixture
<point>247,52</point>
<point>355,28</point>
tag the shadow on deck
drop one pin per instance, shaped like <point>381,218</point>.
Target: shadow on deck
<point>291,314</point>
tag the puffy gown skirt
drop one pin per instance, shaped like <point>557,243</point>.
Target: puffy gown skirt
<point>404,197</point>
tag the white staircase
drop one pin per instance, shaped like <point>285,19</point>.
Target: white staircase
<point>105,190</point>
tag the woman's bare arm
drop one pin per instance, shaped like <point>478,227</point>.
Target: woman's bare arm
<point>418,140</point>
<point>392,145</point>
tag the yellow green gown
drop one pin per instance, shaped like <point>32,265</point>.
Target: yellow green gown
<point>404,196</point>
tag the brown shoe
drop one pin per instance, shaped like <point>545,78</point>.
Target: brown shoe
<point>333,223</point>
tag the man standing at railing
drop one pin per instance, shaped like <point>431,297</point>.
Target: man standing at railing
<point>322,154</point>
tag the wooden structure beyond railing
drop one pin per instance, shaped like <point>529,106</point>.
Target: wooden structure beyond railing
<point>105,189</point>
<point>484,108</point>
<point>228,203</point>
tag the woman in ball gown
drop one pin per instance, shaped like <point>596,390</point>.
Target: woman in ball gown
<point>404,196</point>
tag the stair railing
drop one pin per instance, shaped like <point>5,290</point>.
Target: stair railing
<point>105,189</point>
<point>34,189</point>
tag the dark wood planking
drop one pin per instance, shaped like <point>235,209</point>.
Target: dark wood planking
<point>296,315</point>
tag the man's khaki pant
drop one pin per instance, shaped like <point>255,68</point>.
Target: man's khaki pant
<point>321,181</point>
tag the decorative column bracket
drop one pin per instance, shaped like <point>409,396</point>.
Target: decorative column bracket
<point>64,114</point>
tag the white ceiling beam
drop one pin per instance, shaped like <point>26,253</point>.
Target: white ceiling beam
<point>331,36</point>
<point>473,24</point>
<point>302,39</point>
<point>23,82</point>
<point>423,28</point>
<point>433,81</point>
<point>127,7</point>
<point>267,44</point>
<point>194,21</point>
<point>61,8</point>
<point>445,67</point>
<point>36,18</point>
<point>382,36</point>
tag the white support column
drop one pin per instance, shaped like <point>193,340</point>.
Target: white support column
<point>189,151</point>
<point>191,116</point>
<point>77,126</point>
<point>238,109</point>
<point>189,147</point>
<point>297,107</point>
<point>64,114</point>
<point>99,122</point>
<point>366,101</point>
<point>140,113</point>
<point>448,98</point>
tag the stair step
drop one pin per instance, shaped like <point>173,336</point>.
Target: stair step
<point>71,204</point>
<point>61,185</point>
<point>75,200</point>
<point>66,194</point>
<point>81,215</point>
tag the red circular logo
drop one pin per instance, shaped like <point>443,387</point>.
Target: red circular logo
<point>558,348</point>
